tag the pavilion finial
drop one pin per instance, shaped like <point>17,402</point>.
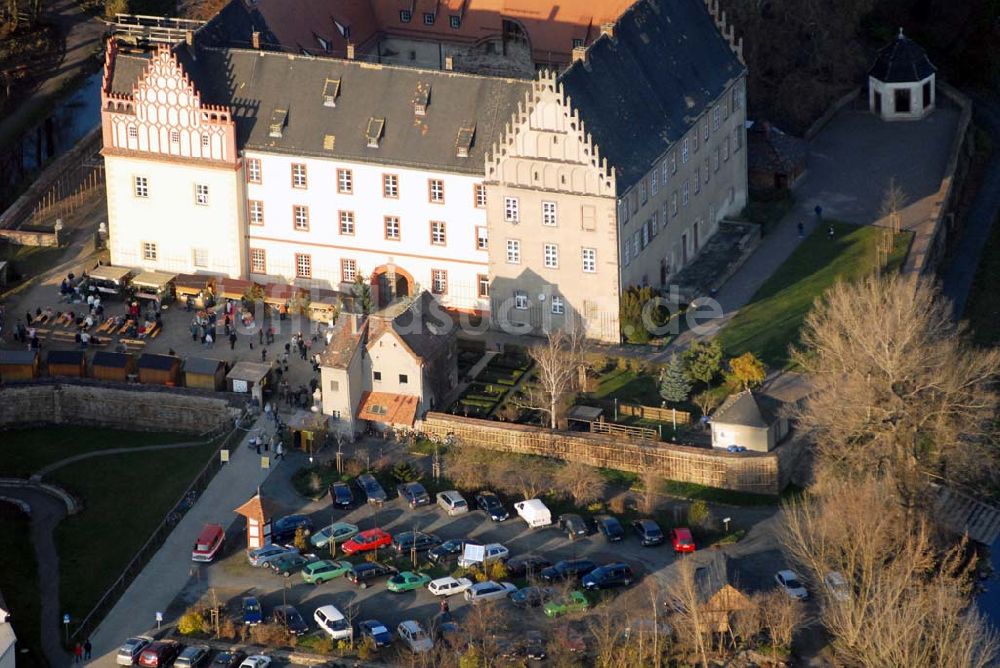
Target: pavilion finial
<point>900,32</point>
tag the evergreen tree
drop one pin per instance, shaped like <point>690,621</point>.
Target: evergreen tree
<point>363,293</point>
<point>674,384</point>
<point>704,361</point>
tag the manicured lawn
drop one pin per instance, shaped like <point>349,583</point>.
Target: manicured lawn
<point>125,497</point>
<point>24,451</point>
<point>772,319</point>
<point>982,309</point>
<point>18,578</point>
<point>631,387</point>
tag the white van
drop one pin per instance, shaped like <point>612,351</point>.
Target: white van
<point>333,622</point>
<point>534,512</point>
<point>452,502</point>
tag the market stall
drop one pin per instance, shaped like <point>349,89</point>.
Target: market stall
<point>252,378</point>
<point>155,286</point>
<point>67,363</point>
<point>113,366</point>
<point>108,281</point>
<point>194,289</point>
<point>205,373</point>
<point>159,369</point>
<point>18,365</point>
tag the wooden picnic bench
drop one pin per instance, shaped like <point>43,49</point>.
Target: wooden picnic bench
<point>133,344</point>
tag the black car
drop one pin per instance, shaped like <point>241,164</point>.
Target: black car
<point>649,532</point>
<point>573,525</point>
<point>289,617</point>
<point>405,541</point>
<point>570,569</point>
<point>490,503</point>
<point>611,528</point>
<point>449,551</point>
<point>526,565</point>
<point>371,488</point>
<point>532,597</point>
<point>228,659</point>
<point>366,572</point>
<point>414,494</point>
<point>341,495</point>
<point>284,528</point>
<point>612,575</point>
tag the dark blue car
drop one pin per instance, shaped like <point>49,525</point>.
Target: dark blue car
<point>284,528</point>
<point>611,528</point>
<point>377,631</point>
<point>252,613</point>
<point>341,495</point>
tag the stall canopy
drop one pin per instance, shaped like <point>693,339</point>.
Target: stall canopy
<point>232,288</point>
<point>277,294</point>
<point>388,408</point>
<point>109,273</point>
<point>191,284</point>
<point>156,280</point>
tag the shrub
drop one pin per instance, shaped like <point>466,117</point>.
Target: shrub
<point>269,634</point>
<point>366,649</point>
<point>700,515</point>
<point>191,622</point>
<point>617,504</point>
<point>406,472</point>
<point>228,630</point>
<point>354,467</point>
<point>496,570</point>
<point>301,542</point>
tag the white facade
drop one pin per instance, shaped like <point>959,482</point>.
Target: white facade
<point>902,101</point>
<point>365,230</point>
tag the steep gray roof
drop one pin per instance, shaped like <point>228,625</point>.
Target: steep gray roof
<point>748,409</point>
<point>901,61</point>
<point>639,91</point>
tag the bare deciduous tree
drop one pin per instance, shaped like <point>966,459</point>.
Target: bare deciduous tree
<point>582,483</point>
<point>780,615</point>
<point>692,626</point>
<point>893,201</point>
<point>651,485</point>
<point>557,365</point>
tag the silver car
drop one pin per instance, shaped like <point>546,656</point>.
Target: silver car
<point>262,556</point>
<point>130,650</point>
<point>194,656</point>
<point>488,591</point>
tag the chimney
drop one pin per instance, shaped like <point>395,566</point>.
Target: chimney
<point>449,63</point>
<point>608,29</point>
<point>579,53</point>
<point>255,39</point>
<point>350,51</point>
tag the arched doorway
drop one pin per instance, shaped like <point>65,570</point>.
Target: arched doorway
<point>390,283</point>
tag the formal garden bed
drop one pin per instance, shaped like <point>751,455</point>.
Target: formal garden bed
<point>487,391</point>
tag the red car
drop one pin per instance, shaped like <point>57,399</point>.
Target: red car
<point>208,543</point>
<point>682,540</point>
<point>367,541</point>
<point>159,654</point>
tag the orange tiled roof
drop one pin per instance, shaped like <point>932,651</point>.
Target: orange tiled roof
<point>257,508</point>
<point>394,409</point>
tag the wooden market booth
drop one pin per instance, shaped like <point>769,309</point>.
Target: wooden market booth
<point>305,427</point>
<point>258,511</point>
<point>325,305</point>
<point>232,288</point>
<point>155,285</point>
<point>108,280</point>
<point>159,370</point>
<point>112,366</point>
<point>193,287</point>
<point>67,363</point>
<point>250,378</point>
<point>18,365</point>
<point>204,373</point>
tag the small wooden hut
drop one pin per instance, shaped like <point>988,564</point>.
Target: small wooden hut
<point>205,373</point>
<point>258,512</point>
<point>250,378</point>
<point>194,287</point>
<point>159,370</point>
<point>67,363</point>
<point>232,288</point>
<point>112,366</point>
<point>18,365</point>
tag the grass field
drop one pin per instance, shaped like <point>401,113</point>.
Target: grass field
<point>24,451</point>
<point>982,309</point>
<point>772,319</point>
<point>18,578</point>
<point>125,497</point>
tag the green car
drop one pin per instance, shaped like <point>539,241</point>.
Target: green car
<point>575,602</point>
<point>407,580</point>
<point>338,532</point>
<point>319,572</point>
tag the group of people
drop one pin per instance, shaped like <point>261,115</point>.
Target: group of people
<point>82,652</point>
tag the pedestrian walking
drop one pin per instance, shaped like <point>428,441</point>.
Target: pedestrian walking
<point>802,230</point>
<point>232,340</point>
<point>263,354</point>
<point>819,212</point>
<point>829,232</point>
<point>87,649</point>
<point>288,349</point>
<point>260,336</point>
<point>77,653</point>
<point>279,451</point>
<point>209,340</point>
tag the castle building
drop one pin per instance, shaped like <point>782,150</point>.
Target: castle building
<point>532,200</point>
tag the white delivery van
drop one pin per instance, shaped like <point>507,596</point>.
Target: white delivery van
<point>534,512</point>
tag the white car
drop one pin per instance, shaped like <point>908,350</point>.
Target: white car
<point>256,661</point>
<point>448,585</point>
<point>130,650</point>
<point>791,584</point>
<point>491,552</point>
<point>836,584</point>
<point>488,591</point>
<point>414,636</point>
<point>331,620</point>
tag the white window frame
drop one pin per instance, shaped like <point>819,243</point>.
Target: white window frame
<point>140,186</point>
<point>558,305</point>
<point>686,193</point>
<point>345,181</point>
<point>348,270</point>
<point>439,233</point>
<point>482,237</point>
<point>149,251</point>
<point>685,151</point>
<point>199,257</point>
<point>254,170</point>
<point>511,209</point>
<point>394,223</point>
<point>439,277</point>
<point>513,251</point>
<point>654,183</point>
<point>521,300</point>
<point>479,194</point>
<point>300,218</point>
<point>673,162</point>
<point>550,214</point>
<point>589,260</point>
<point>435,190</point>
<point>201,194</point>
<point>258,261</point>
<point>346,223</point>
<point>299,265</point>
<point>390,186</point>
<point>704,130</point>
<point>256,211</point>
<point>550,254</point>
<point>300,178</point>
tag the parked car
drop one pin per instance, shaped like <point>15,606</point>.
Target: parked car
<point>452,502</point>
<point>735,448</point>
<point>531,597</point>
<point>371,488</point>
<point>289,617</point>
<point>325,570</point>
<point>291,563</point>
<point>573,525</point>
<point>491,552</point>
<point>366,541</point>
<point>836,585</point>
<point>256,661</point>
<point>448,586</point>
<point>377,631</point>
<point>575,601</point>
<point>262,556</point>
<point>414,494</point>
<point>488,591</point>
<point>407,581</point>
<point>333,622</point>
<point>284,528</point>
<point>534,512</point>
<point>791,584</point>
<point>682,540</point>
<point>570,569</point>
<point>252,613</point>
<point>363,574</point>
<point>208,543</point>
<point>130,650</point>
<point>611,528</point>
<point>611,575</point>
<point>448,551</point>
<point>337,532</point>
<point>193,656</point>
<point>341,495</point>
<point>405,541</point>
<point>230,659</point>
<point>490,503</point>
<point>415,637</point>
<point>526,565</point>
<point>649,532</point>
<point>159,653</point>
<point>527,646</point>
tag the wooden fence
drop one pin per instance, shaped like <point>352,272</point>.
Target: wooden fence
<point>623,430</point>
<point>653,413</point>
<point>744,472</point>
